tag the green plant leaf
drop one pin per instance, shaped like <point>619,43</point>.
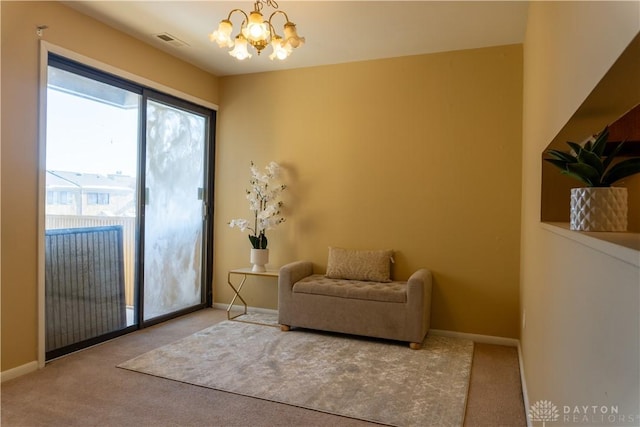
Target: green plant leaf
<point>578,177</point>
<point>561,155</point>
<point>258,242</point>
<point>577,148</point>
<point>612,155</point>
<point>601,142</point>
<point>560,164</point>
<point>584,173</point>
<point>592,160</point>
<point>622,170</point>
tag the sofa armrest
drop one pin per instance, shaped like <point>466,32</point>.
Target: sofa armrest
<point>289,275</point>
<point>420,280</point>
<point>293,272</point>
<point>419,288</point>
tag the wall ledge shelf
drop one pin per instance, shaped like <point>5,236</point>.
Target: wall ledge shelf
<point>623,246</point>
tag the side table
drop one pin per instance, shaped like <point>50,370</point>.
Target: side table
<point>244,272</point>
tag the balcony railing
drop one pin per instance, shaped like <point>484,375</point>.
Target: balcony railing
<point>128,239</point>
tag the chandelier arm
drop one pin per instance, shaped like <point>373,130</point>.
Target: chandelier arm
<point>276,12</point>
<point>272,30</point>
<point>271,3</point>
<point>246,18</point>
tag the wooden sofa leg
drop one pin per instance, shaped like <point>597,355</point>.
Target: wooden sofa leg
<point>285,328</point>
<point>415,346</point>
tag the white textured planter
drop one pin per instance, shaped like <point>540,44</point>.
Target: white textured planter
<point>599,209</point>
<point>259,258</point>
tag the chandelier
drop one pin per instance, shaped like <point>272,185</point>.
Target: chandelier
<point>258,32</point>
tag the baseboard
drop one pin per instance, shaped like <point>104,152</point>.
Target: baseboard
<point>523,382</point>
<point>222,306</point>
<point>18,371</point>
<point>485,339</point>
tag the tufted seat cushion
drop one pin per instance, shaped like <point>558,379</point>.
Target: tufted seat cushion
<point>319,284</point>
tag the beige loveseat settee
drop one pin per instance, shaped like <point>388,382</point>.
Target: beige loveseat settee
<point>388,309</point>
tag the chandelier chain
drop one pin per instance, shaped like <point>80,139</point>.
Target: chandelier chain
<point>259,4</point>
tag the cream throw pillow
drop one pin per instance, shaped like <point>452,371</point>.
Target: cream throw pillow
<point>359,265</point>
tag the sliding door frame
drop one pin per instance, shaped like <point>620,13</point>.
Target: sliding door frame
<point>47,48</point>
<point>207,228</point>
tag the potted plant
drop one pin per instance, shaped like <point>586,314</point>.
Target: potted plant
<point>264,202</point>
<point>599,206</point>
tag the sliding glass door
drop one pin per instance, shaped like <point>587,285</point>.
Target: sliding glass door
<point>128,184</point>
<point>174,207</point>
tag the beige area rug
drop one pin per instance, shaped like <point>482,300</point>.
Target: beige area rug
<point>259,318</point>
<point>373,380</point>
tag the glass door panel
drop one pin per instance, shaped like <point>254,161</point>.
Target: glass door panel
<point>174,207</point>
<point>91,209</point>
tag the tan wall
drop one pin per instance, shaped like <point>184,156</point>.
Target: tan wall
<point>417,154</point>
<point>580,341</point>
<point>20,70</point>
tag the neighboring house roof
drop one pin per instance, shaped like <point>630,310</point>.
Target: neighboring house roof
<point>90,181</point>
<point>55,181</point>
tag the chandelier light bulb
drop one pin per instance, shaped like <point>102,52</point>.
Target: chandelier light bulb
<point>281,50</point>
<point>256,30</point>
<point>240,51</point>
<point>222,35</point>
<point>291,35</point>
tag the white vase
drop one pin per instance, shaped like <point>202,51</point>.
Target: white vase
<point>259,258</point>
<point>599,209</point>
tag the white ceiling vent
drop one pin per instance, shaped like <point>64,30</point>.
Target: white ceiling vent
<point>169,39</point>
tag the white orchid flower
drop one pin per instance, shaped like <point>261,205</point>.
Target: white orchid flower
<point>262,198</point>
<point>242,224</point>
<point>274,169</point>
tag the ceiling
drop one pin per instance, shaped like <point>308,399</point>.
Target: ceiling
<point>335,31</point>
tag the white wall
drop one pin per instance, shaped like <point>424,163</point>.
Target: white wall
<point>581,338</point>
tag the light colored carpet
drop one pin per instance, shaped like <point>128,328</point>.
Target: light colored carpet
<point>259,318</point>
<point>372,380</point>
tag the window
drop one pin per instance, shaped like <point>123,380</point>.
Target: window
<point>97,198</point>
<point>59,197</point>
